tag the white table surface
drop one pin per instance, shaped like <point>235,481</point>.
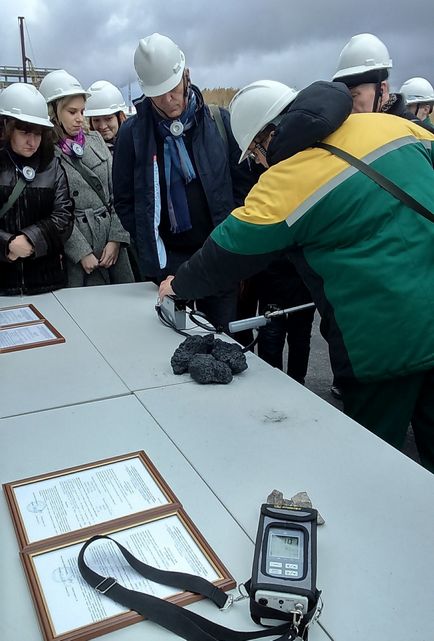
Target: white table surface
<point>265,432</point>
<point>121,322</point>
<point>222,449</point>
<point>54,375</point>
<point>88,432</point>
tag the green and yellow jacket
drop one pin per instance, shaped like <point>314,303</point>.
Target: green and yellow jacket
<point>367,259</point>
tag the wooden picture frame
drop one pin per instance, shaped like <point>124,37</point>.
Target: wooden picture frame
<point>35,555</point>
<point>17,513</point>
<point>14,329</point>
<point>37,316</point>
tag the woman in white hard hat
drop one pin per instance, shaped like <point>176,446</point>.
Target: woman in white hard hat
<point>96,251</point>
<point>105,109</point>
<point>36,211</point>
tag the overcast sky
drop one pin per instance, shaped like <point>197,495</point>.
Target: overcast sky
<point>226,42</point>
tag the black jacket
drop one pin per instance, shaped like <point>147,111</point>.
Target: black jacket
<point>44,214</point>
<point>398,108</point>
<point>317,112</point>
<point>136,183</point>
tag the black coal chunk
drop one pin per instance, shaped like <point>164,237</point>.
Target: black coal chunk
<point>230,354</point>
<point>205,369</point>
<point>187,349</point>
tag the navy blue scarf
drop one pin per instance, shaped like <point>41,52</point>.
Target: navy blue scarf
<point>178,168</point>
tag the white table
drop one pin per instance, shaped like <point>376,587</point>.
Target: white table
<point>122,324</point>
<point>87,433</point>
<point>223,449</point>
<point>265,432</point>
<point>54,375</point>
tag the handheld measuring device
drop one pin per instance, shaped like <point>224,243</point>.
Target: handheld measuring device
<point>284,564</point>
<point>174,310</point>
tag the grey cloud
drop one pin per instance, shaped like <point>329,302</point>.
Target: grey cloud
<point>229,43</point>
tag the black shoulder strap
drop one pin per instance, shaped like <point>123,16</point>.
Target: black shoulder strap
<point>20,185</point>
<point>216,114</point>
<point>381,180</point>
<point>87,174</point>
<point>178,620</point>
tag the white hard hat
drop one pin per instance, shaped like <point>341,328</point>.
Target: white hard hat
<point>159,64</point>
<point>254,107</point>
<point>105,99</point>
<point>363,53</point>
<point>24,102</point>
<point>59,84</point>
<point>417,90</point>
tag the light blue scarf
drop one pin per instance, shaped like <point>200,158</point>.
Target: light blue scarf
<point>178,168</point>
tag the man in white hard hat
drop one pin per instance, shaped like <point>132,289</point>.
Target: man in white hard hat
<point>279,286</point>
<point>363,66</point>
<point>418,94</point>
<point>176,173</point>
<point>366,256</point>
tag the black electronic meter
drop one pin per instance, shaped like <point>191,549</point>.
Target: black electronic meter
<point>284,565</point>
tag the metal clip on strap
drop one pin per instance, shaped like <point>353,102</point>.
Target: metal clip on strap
<point>103,590</point>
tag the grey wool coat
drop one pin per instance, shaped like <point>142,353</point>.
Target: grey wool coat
<point>95,223</point>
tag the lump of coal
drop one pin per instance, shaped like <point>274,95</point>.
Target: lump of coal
<point>230,354</point>
<point>187,349</point>
<point>205,369</point>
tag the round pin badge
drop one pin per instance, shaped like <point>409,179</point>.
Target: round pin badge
<point>176,128</point>
<point>77,149</point>
<point>28,173</point>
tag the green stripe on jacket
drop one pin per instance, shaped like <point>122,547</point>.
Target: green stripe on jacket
<point>244,238</point>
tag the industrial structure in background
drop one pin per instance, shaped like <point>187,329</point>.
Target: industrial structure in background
<point>27,72</point>
<point>33,75</point>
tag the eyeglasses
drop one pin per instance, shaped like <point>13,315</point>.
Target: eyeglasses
<point>259,140</point>
<point>260,147</point>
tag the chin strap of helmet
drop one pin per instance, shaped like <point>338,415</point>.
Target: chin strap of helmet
<point>378,94</point>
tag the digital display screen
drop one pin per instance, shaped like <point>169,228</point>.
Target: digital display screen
<point>285,546</point>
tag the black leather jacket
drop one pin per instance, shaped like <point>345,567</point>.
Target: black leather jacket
<point>44,214</point>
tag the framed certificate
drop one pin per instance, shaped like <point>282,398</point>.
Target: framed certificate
<point>19,314</point>
<point>24,327</point>
<point>126,498</point>
<point>85,497</point>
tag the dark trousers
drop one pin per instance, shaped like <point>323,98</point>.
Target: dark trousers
<point>280,287</point>
<point>296,330</point>
<point>387,408</point>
